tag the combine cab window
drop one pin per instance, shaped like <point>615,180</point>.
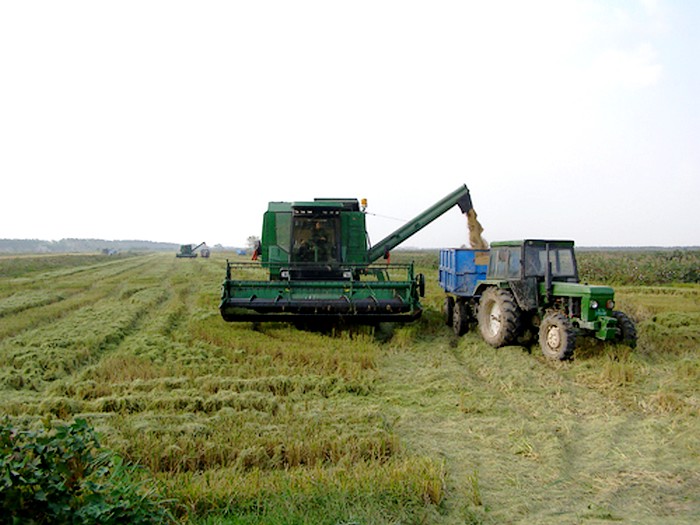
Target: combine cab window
<point>315,239</point>
<point>282,230</point>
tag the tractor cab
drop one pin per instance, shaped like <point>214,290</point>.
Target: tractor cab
<point>535,270</point>
<point>533,259</point>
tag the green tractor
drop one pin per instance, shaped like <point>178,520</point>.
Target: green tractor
<point>317,265</point>
<point>533,285</point>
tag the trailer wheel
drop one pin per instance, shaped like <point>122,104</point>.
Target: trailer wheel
<point>448,308</point>
<point>627,332</point>
<point>499,317</point>
<point>460,318</point>
<point>557,337</point>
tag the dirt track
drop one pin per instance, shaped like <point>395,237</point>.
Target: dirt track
<point>524,443</point>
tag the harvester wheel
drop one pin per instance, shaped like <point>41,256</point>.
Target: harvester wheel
<point>448,308</point>
<point>627,333</point>
<point>557,337</point>
<point>460,318</point>
<point>499,317</point>
<point>420,280</point>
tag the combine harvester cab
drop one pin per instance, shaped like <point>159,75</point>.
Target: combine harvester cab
<point>315,264</point>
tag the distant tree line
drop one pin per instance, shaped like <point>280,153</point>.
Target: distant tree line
<point>81,246</point>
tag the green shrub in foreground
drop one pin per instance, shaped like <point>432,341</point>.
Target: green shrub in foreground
<point>60,475</point>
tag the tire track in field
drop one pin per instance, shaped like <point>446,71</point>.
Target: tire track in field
<point>542,442</point>
<point>522,443</point>
<point>575,443</point>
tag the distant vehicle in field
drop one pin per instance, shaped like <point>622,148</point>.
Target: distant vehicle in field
<point>530,284</point>
<point>189,251</point>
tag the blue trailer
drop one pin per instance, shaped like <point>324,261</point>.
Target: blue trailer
<point>460,271</point>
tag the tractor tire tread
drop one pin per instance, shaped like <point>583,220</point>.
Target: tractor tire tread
<point>511,317</point>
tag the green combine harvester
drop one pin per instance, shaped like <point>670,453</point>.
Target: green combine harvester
<point>189,251</point>
<point>319,266</point>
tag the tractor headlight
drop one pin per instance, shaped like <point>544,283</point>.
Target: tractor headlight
<point>594,305</point>
<point>610,304</point>
<point>347,274</point>
<point>284,274</point>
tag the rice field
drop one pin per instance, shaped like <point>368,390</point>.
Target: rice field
<point>243,423</point>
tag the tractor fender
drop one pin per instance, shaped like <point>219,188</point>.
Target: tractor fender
<point>526,292</point>
<point>482,286</point>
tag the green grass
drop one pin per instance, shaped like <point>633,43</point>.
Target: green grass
<point>13,266</point>
<point>407,424</point>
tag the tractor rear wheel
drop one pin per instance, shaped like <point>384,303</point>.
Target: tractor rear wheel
<point>627,332</point>
<point>557,336</point>
<point>499,317</point>
<point>460,318</point>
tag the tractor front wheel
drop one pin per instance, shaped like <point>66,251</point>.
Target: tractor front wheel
<point>627,332</point>
<point>557,337</point>
<point>499,317</point>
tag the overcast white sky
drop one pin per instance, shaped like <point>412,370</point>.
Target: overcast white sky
<point>178,121</point>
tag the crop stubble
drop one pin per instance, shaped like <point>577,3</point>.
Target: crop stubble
<point>422,427</point>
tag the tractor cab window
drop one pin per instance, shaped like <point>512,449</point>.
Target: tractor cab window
<point>505,263</point>
<point>561,258</point>
<point>315,239</point>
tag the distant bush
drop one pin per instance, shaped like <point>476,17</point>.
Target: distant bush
<point>424,259</point>
<point>639,267</point>
<point>31,264</point>
<point>81,246</point>
<point>61,475</point>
